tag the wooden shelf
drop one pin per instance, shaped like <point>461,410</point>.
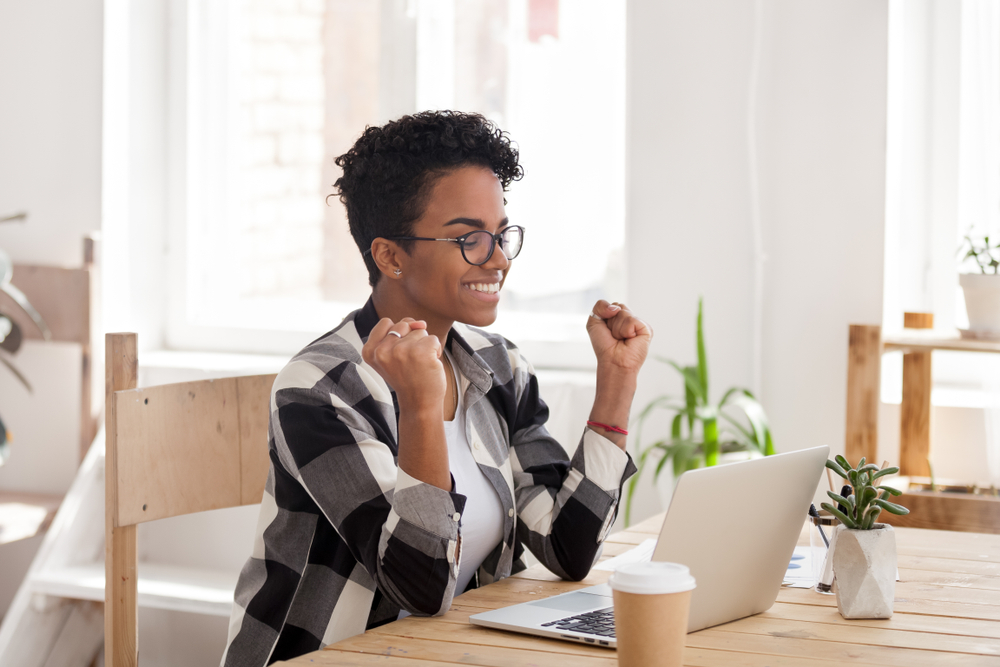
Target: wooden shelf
<point>867,343</point>
<point>160,586</point>
<point>957,511</point>
<point>24,515</point>
<point>912,341</point>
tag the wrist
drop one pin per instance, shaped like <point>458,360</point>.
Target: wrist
<point>616,386</point>
<point>421,409</point>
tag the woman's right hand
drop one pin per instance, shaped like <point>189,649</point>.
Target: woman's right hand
<point>409,360</point>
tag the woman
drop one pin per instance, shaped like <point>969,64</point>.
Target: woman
<point>409,456</point>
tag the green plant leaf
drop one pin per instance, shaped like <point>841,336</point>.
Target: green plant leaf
<point>868,468</point>
<point>662,401</point>
<point>842,462</point>
<point>884,472</point>
<point>874,516</point>
<point>892,508</point>
<point>844,519</point>
<point>675,426</point>
<point>628,498</point>
<point>702,357</point>
<point>732,421</point>
<point>754,412</point>
<point>835,467</point>
<point>659,444</point>
<point>891,491</point>
<point>730,392</point>
<point>691,381</point>
<point>839,499</point>
<point>861,463</point>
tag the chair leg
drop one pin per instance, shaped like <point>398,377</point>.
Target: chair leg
<point>121,633</point>
<point>120,572</point>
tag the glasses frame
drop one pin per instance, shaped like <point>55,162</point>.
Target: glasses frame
<point>495,239</point>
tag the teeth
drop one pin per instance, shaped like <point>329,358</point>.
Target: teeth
<point>489,288</point>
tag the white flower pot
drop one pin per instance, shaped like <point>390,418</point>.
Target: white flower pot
<point>864,564</point>
<point>982,302</point>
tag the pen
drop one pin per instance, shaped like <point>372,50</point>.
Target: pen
<point>815,514</point>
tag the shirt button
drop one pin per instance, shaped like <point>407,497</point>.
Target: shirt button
<point>510,512</point>
<point>456,516</point>
<point>476,445</point>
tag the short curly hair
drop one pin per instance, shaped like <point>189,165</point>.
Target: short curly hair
<point>390,170</point>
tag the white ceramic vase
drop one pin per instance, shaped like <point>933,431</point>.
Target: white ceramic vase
<point>982,302</point>
<point>864,564</point>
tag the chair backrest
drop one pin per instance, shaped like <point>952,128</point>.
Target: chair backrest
<point>67,301</point>
<point>171,450</point>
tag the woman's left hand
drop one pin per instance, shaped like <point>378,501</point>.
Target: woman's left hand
<point>620,339</point>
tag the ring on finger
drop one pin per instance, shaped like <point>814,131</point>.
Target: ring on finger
<point>395,333</point>
<point>596,316</point>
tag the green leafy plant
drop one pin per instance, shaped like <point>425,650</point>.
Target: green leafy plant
<point>862,508</point>
<point>985,256</point>
<point>699,429</point>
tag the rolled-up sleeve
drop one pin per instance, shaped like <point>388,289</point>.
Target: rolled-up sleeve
<point>566,506</point>
<point>403,531</point>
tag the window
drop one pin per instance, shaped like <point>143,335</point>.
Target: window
<point>273,90</point>
<point>943,180</point>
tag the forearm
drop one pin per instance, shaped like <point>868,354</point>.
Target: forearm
<point>613,402</point>
<point>423,450</point>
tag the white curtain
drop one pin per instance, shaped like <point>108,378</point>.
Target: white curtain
<point>979,163</point>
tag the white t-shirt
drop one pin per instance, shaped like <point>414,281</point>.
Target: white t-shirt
<point>482,520</point>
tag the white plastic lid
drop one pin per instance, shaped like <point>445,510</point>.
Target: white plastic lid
<point>652,578</point>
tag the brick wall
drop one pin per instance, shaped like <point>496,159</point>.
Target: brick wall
<point>279,235</point>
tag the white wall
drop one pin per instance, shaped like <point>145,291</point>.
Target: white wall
<point>50,166</point>
<point>820,144</point>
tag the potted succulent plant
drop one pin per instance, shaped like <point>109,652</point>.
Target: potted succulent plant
<point>981,286</point>
<point>864,550</point>
<point>702,433</point>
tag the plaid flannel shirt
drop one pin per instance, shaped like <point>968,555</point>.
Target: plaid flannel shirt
<point>346,539</point>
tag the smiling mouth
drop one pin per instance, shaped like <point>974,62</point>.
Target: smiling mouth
<point>486,288</point>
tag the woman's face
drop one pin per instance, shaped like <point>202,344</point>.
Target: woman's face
<point>435,278</point>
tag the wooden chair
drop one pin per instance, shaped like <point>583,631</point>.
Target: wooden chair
<point>170,450</point>
<point>67,300</point>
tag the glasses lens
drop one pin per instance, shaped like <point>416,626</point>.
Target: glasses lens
<point>511,240</point>
<point>477,247</point>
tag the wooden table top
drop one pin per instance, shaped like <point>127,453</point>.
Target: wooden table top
<point>947,612</point>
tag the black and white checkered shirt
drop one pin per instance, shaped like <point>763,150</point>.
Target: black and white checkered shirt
<point>346,539</point>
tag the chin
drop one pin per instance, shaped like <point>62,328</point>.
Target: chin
<point>478,319</point>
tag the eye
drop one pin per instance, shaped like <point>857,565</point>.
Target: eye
<point>474,240</point>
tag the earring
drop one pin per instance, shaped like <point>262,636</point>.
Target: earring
<point>397,272</point>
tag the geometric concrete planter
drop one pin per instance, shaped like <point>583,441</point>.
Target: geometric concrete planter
<point>864,564</point>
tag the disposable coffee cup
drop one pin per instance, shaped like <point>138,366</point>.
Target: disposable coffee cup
<point>652,601</point>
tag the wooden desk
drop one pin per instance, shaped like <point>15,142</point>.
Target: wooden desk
<point>947,613</point>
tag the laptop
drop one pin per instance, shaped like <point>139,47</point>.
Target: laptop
<point>735,526</point>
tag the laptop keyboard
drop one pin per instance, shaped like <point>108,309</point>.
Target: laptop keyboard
<point>600,623</point>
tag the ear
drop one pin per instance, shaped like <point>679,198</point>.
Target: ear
<point>388,257</point>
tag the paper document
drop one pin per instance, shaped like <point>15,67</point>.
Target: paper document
<point>641,554</point>
<point>802,570</point>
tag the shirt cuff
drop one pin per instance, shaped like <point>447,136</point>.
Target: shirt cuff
<point>603,462</point>
<point>427,507</point>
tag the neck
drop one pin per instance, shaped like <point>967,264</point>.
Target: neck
<point>392,303</point>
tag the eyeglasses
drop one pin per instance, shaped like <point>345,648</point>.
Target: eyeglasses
<point>477,247</point>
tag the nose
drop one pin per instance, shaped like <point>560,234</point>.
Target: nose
<point>493,262</point>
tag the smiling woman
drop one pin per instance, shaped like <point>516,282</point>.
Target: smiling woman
<point>409,455</point>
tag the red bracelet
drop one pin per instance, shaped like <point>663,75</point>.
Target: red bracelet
<point>613,429</point>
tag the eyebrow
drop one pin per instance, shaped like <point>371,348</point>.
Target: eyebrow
<point>475,222</point>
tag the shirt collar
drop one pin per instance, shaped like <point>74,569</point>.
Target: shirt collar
<point>471,365</point>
